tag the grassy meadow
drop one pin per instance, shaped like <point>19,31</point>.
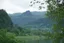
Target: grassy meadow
<point>32,39</point>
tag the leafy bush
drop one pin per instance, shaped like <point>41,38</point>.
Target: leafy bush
<point>7,37</point>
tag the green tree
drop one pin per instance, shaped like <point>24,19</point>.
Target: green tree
<point>7,37</point>
<point>55,12</point>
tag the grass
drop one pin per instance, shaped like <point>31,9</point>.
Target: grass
<point>31,39</point>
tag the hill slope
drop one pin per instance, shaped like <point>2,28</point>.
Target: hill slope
<point>24,18</point>
<point>31,20</point>
<point>5,20</point>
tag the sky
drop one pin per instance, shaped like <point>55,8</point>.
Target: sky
<point>14,6</point>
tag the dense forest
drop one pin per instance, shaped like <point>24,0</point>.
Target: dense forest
<point>49,29</point>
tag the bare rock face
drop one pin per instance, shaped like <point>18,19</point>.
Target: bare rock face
<point>5,21</point>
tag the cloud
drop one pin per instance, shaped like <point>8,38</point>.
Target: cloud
<point>21,3</point>
<point>13,6</point>
<point>1,1</point>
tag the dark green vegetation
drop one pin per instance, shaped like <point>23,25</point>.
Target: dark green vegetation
<point>5,21</point>
<point>6,37</point>
<point>5,26</point>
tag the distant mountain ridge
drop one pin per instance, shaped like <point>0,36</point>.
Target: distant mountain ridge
<point>36,13</point>
<point>31,19</point>
<point>27,13</point>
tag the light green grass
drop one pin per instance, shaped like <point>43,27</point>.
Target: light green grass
<point>29,37</point>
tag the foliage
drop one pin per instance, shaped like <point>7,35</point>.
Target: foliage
<point>5,21</point>
<point>7,37</point>
<point>55,12</point>
<point>34,2</point>
<point>17,30</point>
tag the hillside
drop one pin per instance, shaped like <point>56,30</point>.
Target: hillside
<point>5,20</point>
<point>33,20</point>
<point>41,23</point>
<point>24,18</point>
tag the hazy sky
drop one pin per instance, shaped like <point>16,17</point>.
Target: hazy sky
<point>13,6</point>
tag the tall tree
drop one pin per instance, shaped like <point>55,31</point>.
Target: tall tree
<point>55,12</point>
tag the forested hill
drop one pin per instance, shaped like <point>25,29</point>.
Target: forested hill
<point>5,20</point>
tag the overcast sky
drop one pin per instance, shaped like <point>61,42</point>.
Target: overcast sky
<point>13,6</point>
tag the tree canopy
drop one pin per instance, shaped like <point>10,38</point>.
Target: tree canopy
<point>5,20</point>
<point>55,12</point>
